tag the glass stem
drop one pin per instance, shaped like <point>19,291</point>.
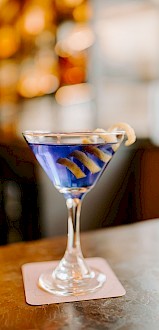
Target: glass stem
<point>73,266</point>
<point>74,211</point>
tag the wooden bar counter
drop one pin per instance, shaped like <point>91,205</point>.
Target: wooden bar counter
<point>133,253</point>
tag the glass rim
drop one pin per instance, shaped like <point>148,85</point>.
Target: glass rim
<point>39,133</point>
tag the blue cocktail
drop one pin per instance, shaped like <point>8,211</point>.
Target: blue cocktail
<point>74,162</point>
<point>73,169</point>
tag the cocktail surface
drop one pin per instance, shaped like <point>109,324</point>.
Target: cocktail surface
<point>73,166</point>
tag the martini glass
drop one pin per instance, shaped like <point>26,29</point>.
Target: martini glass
<point>74,162</point>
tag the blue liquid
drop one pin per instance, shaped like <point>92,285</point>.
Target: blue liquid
<point>48,156</point>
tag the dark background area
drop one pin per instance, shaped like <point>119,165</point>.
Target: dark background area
<point>127,192</point>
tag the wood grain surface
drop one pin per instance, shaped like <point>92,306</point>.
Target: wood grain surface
<point>132,252</point>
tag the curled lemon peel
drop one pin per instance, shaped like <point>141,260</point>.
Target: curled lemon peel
<point>86,141</point>
<point>120,129</point>
<point>78,173</point>
<point>86,161</point>
<point>129,131</point>
<point>121,126</point>
<point>109,138</point>
<point>98,153</point>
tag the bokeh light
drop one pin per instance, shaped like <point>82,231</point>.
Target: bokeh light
<point>9,41</point>
<point>34,20</point>
<point>43,46</point>
<point>74,94</point>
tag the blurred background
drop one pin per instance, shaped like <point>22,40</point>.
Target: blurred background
<point>71,65</point>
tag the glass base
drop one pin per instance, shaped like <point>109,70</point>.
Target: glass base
<point>71,287</point>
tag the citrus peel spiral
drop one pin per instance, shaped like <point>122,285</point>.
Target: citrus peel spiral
<point>86,161</point>
<point>75,169</point>
<point>84,158</point>
<point>129,132</point>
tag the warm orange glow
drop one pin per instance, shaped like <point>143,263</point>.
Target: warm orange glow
<point>82,13</point>
<point>37,85</point>
<point>28,32</point>
<point>28,86</point>
<point>35,80</point>
<point>75,75</point>
<point>9,41</point>
<point>72,3</point>
<point>79,59</point>
<point>66,6</point>
<point>9,11</point>
<point>48,83</point>
<point>74,94</point>
<point>9,75</point>
<point>34,20</point>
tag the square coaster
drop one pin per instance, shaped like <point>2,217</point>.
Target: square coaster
<point>36,296</point>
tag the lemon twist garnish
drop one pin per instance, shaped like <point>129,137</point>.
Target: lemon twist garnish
<point>74,168</point>
<point>109,138</point>
<point>112,138</point>
<point>86,161</point>
<point>86,141</point>
<point>98,153</point>
<point>130,133</point>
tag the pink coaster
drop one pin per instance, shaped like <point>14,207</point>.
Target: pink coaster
<point>36,296</point>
